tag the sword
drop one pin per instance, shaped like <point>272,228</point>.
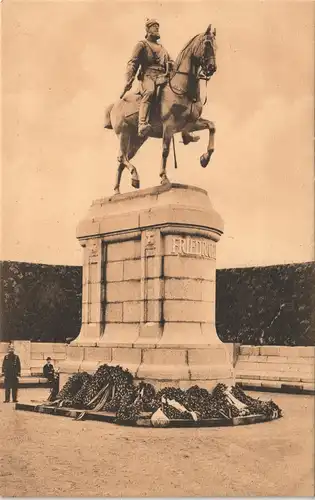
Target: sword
<point>175,160</point>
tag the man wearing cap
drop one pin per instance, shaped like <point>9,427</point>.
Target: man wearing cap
<point>11,369</point>
<point>48,370</point>
<point>53,378</point>
<point>152,59</point>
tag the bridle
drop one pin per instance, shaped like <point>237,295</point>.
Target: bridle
<point>200,75</point>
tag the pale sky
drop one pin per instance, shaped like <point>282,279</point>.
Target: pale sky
<point>63,62</point>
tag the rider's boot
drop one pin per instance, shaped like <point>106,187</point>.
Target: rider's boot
<point>144,128</point>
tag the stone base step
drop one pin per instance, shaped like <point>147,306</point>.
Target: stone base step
<point>183,366</point>
<point>278,351</point>
<point>36,365</point>
<point>29,382</point>
<point>295,369</point>
<point>281,376</point>
<point>285,360</point>
<point>276,386</point>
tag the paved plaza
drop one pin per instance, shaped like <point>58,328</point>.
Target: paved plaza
<point>44,455</point>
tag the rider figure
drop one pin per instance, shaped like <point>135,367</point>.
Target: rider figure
<point>152,59</point>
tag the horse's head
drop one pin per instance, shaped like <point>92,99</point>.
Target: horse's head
<point>206,52</point>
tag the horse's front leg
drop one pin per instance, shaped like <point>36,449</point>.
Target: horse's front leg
<point>203,124</point>
<point>167,136</point>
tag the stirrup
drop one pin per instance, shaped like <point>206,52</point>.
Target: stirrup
<point>144,130</point>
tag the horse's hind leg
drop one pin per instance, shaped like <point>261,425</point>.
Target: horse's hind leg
<point>123,158</point>
<point>120,170</point>
<point>129,145</point>
<point>123,162</point>
<point>167,137</point>
<point>135,144</point>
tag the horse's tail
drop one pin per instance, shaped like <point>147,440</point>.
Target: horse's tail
<point>107,121</point>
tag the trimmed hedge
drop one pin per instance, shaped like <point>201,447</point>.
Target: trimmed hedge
<point>272,305</point>
<point>40,302</point>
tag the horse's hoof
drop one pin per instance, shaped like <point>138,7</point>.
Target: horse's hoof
<point>164,181</point>
<point>204,160</point>
<point>116,191</point>
<point>135,183</point>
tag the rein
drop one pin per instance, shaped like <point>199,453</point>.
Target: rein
<point>181,93</point>
<point>185,92</point>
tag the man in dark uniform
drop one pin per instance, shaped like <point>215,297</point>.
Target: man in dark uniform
<point>11,369</point>
<point>53,378</point>
<point>151,59</point>
<point>48,370</point>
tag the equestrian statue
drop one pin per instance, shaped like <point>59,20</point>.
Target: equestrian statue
<point>168,100</point>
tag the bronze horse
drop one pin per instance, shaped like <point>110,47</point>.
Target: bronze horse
<point>179,109</point>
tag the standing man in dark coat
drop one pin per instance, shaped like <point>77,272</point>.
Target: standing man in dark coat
<point>11,369</point>
<point>151,59</point>
<point>52,377</point>
<point>48,370</point>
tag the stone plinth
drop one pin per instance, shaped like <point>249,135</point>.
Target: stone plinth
<point>149,279</point>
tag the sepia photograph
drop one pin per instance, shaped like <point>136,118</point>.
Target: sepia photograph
<point>157,266</point>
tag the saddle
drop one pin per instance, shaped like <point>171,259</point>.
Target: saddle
<point>164,78</point>
<point>132,99</point>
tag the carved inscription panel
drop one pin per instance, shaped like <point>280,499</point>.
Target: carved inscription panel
<point>198,247</point>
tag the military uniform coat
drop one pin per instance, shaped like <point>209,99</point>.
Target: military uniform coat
<point>49,371</point>
<point>151,58</point>
<point>11,366</point>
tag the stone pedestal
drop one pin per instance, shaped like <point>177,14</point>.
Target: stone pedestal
<point>149,279</point>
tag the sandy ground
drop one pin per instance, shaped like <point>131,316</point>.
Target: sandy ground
<point>43,455</point>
